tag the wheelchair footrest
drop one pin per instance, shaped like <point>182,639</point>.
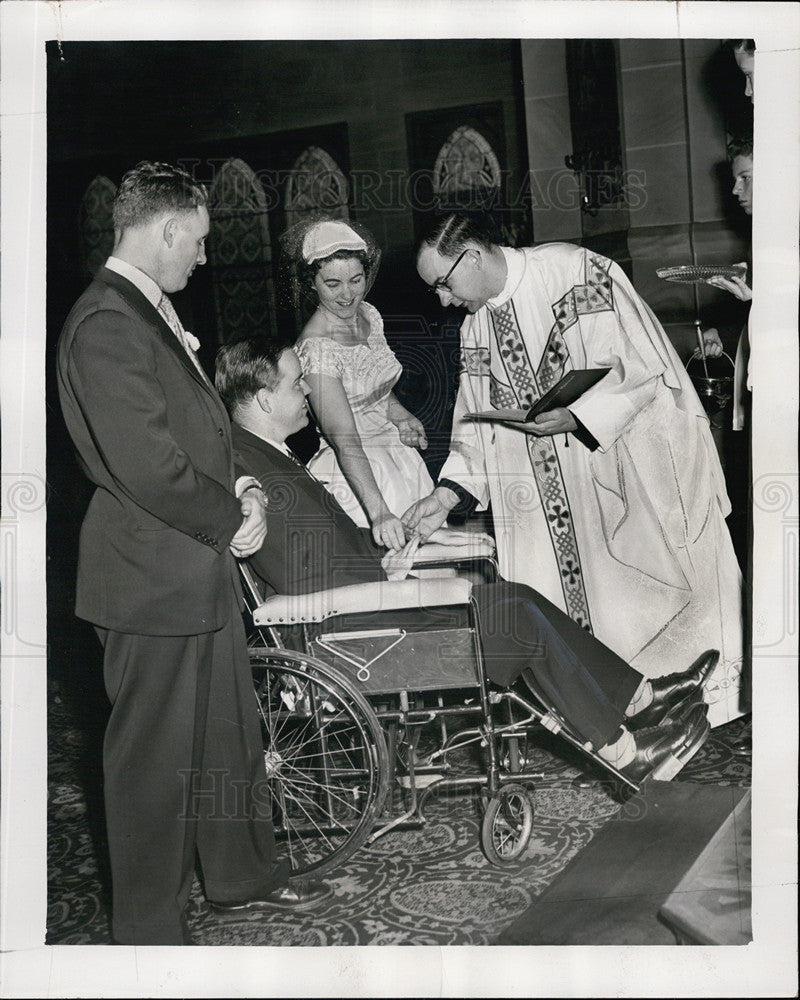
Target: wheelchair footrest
<point>667,769</point>
<point>420,780</point>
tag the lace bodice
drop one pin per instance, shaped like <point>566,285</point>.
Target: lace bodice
<point>367,371</point>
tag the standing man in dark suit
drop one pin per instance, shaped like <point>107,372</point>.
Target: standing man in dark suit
<point>156,576</point>
<point>639,726</point>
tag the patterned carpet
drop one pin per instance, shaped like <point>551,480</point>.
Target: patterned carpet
<point>423,887</point>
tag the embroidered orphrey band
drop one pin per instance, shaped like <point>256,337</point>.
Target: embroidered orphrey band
<point>527,388</point>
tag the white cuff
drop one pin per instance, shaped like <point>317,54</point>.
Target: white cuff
<point>245,483</point>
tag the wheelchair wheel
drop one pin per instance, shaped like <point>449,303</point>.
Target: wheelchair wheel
<point>325,758</point>
<point>507,825</point>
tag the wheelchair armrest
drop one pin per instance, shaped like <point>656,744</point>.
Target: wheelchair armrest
<point>359,598</point>
<point>439,553</point>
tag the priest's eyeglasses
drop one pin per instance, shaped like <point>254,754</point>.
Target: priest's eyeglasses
<point>440,285</point>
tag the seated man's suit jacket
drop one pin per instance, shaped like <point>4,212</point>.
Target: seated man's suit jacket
<point>312,545</point>
<point>153,436</point>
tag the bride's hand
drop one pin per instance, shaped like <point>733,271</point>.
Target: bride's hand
<point>388,531</point>
<point>412,432</point>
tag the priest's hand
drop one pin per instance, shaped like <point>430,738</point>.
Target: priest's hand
<point>557,421</point>
<point>426,515</point>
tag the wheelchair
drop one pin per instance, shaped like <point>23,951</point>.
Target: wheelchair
<point>356,717</point>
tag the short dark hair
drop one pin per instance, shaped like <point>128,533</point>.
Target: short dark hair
<point>450,234</point>
<point>741,44</point>
<point>296,277</point>
<point>245,366</point>
<point>150,189</point>
<point>308,272</point>
<point>740,146</point>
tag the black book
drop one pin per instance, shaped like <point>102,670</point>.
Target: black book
<point>573,385</point>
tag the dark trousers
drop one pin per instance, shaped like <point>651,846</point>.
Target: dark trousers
<point>184,775</point>
<point>587,683</point>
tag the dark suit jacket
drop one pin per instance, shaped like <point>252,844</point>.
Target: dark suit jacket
<point>311,543</point>
<point>154,438</point>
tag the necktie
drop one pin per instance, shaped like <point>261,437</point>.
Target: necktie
<point>167,310</point>
<point>290,454</point>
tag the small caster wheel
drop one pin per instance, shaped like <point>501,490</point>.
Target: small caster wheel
<point>507,825</point>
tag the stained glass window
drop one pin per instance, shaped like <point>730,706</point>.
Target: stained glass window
<point>96,225</point>
<point>595,122</point>
<point>240,254</point>
<point>315,184</point>
<point>466,162</point>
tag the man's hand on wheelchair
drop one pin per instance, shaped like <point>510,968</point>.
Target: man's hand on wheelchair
<point>426,515</point>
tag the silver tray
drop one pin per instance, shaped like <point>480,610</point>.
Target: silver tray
<point>692,273</point>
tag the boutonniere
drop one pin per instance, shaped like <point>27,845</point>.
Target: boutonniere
<point>192,341</point>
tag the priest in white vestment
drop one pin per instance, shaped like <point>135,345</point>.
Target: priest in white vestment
<point>613,508</point>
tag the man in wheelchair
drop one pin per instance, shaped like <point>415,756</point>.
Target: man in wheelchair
<point>641,727</point>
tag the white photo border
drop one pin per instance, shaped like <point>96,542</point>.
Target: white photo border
<point>28,968</point>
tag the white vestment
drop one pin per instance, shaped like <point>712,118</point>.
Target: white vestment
<point>629,539</point>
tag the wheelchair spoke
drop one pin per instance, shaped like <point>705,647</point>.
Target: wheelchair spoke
<point>307,805</point>
<point>305,782</point>
<point>304,750</point>
<point>324,754</point>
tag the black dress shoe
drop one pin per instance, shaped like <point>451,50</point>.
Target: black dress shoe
<point>674,694</point>
<point>662,751</point>
<point>299,895</point>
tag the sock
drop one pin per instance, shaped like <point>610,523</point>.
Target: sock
<point>621,752</point>
<point>641,699</point>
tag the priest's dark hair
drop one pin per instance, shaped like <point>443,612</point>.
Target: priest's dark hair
<point>450,234</point>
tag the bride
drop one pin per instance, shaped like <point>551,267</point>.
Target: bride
<point>369,454</point>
